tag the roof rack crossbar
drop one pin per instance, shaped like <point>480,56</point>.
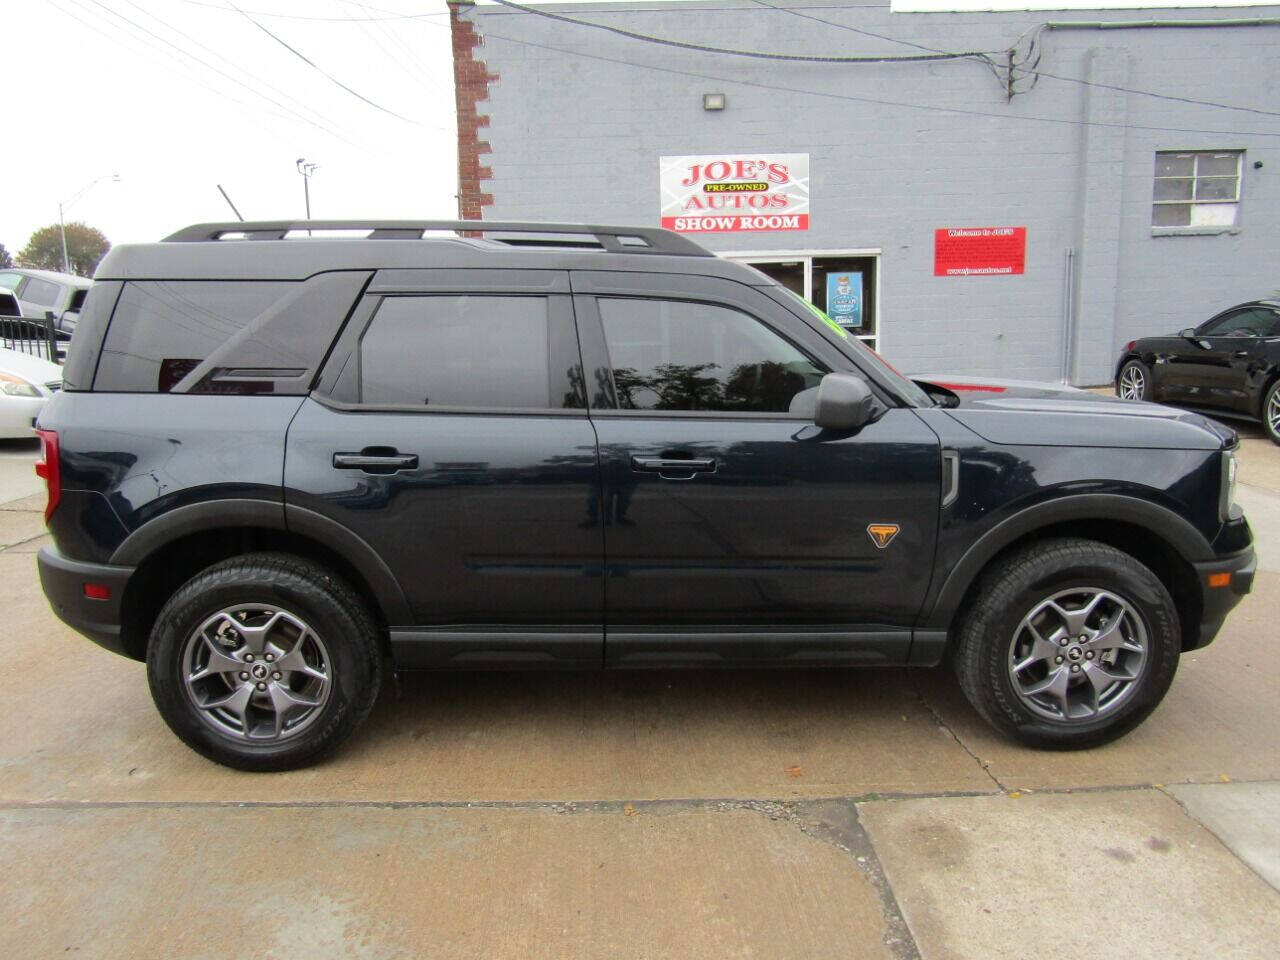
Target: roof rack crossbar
<point>612,239</point>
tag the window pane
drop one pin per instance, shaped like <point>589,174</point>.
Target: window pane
<point>1216,188</point>
<point>1218,165</point>
<point>463,351</point>
<point>1213,215</point>
<point>1174,164</point>
<point>674,355</point>
<point>1173,190</point>
<point>161,330</point>
<point>1171,215</point>
<point>41,291</point>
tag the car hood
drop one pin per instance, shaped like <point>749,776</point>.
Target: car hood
<point>1027,412</point>
<point>37,370</point>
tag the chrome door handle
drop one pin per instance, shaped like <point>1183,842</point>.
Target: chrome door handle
<point>375,463</point>
<point>673,469</point>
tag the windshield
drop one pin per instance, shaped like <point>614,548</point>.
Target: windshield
<point>905,387</point>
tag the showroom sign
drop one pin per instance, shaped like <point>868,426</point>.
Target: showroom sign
<point>735,192</point>
<point>979,251</point>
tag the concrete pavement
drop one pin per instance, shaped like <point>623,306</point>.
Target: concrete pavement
<point>646,815</point>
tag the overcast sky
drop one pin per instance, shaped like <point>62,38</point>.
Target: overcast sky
<point>92,94</point>
<point>177,96</point>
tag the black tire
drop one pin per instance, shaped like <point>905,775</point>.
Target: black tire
<point>993,626</point>
<point>1131,371</point>
<point>303,589</point>
<point>1270,424</point>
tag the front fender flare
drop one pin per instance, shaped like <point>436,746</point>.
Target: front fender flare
<point>1184,539</point>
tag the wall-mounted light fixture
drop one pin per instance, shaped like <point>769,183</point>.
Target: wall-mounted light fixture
<point>713,101</point>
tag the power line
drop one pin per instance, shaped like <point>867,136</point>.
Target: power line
<point>754,54</point>
<point>879,102</point>
<point>1030,71</point>
<point>303,57</point>
<point>300,16</point>
<point>227,60</point>
<point>190,56</point>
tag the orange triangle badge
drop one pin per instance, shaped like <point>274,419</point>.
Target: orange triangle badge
<point>882,534</point>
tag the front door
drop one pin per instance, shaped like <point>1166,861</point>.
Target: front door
<point>450,433</point>
<point>735,530</point>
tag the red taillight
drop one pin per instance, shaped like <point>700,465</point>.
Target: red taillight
<point>1128,347</point>
<point>97,591</point>
<point>49,467</point>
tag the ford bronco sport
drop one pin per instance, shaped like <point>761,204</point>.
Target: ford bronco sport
<point>280,459</point>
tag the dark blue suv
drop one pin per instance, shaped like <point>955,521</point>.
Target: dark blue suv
<point>280,460</point>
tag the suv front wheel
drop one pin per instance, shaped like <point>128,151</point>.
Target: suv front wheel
<point>264,662</point>
<point>1070,643</point>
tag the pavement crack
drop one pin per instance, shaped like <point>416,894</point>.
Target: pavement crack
<point>984,766</point>
<point>835,823</point>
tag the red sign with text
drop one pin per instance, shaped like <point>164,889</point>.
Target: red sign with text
<point>979,251</point>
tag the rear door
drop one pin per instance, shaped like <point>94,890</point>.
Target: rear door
<point>735,530</point>
<point>449,431</point>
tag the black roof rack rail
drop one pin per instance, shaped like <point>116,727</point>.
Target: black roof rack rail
<point>612,239</point>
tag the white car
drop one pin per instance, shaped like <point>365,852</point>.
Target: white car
<point>26,384</point>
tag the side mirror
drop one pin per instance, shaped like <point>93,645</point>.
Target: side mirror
<point>845,402</point>
<point>1187,333</point>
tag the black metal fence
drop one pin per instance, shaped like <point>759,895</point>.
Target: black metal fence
<point>31,336</point>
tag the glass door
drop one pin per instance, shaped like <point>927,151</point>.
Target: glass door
<point>844,286</point>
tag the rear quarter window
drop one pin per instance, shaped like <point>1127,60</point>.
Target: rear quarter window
<point>162,329</point>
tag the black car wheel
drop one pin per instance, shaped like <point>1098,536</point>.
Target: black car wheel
<point>1070,644</point>
<point>1271,412</point>
<point>1134,381</point>
<point>264,662</point>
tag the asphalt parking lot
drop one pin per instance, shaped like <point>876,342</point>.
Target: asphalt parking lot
<point>646,815</point>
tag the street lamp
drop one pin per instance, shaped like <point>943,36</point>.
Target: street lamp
<point>306,169</point>
<point>62,227</point>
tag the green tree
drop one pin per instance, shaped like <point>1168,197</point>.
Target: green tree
<point>85,247</point>
<point>5,259</point>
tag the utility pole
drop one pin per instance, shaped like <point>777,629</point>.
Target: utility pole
<point>306,169</point>
<point>62,226</point>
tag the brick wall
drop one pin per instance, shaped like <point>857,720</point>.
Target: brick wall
<point>471,80</point>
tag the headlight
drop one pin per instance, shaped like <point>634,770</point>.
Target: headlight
<point>1227,495</point>
<point>16,387</point>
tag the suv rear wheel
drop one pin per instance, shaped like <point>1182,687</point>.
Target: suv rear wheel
<point>1071,643</point>
<point>1134,381</point>
<point>264,662</point>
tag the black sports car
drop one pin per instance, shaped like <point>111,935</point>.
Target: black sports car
<point>1228,366</point>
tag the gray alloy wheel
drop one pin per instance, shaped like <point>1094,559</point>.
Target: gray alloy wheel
<point>264,661</point>
<point>256,673</point>
<point>1078,655</point>
<point>1271,412</point>
<point>1067,643</point>
<point>1132,382</point>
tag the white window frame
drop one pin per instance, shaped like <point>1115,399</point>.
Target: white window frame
<point>806,257</point>
<point>1195,178</point>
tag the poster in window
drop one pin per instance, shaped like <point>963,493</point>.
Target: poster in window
<point>844,297</point>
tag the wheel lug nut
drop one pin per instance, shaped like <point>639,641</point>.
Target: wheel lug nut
<point>1057,659</point>
<point>1064,641</point>
<point>262,686</point>
<point>244,674</point>
<point>277,675</point>
<point>1089,655</point>
<point>248,658</point>
<point>1075,668</point>
<point>269,657</point>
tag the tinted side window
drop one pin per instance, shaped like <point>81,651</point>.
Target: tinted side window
<point>162,329</point>
<point>677,355</point>
<point>485,352</point>
<point>41,291</point>
<point>1252,322</point>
